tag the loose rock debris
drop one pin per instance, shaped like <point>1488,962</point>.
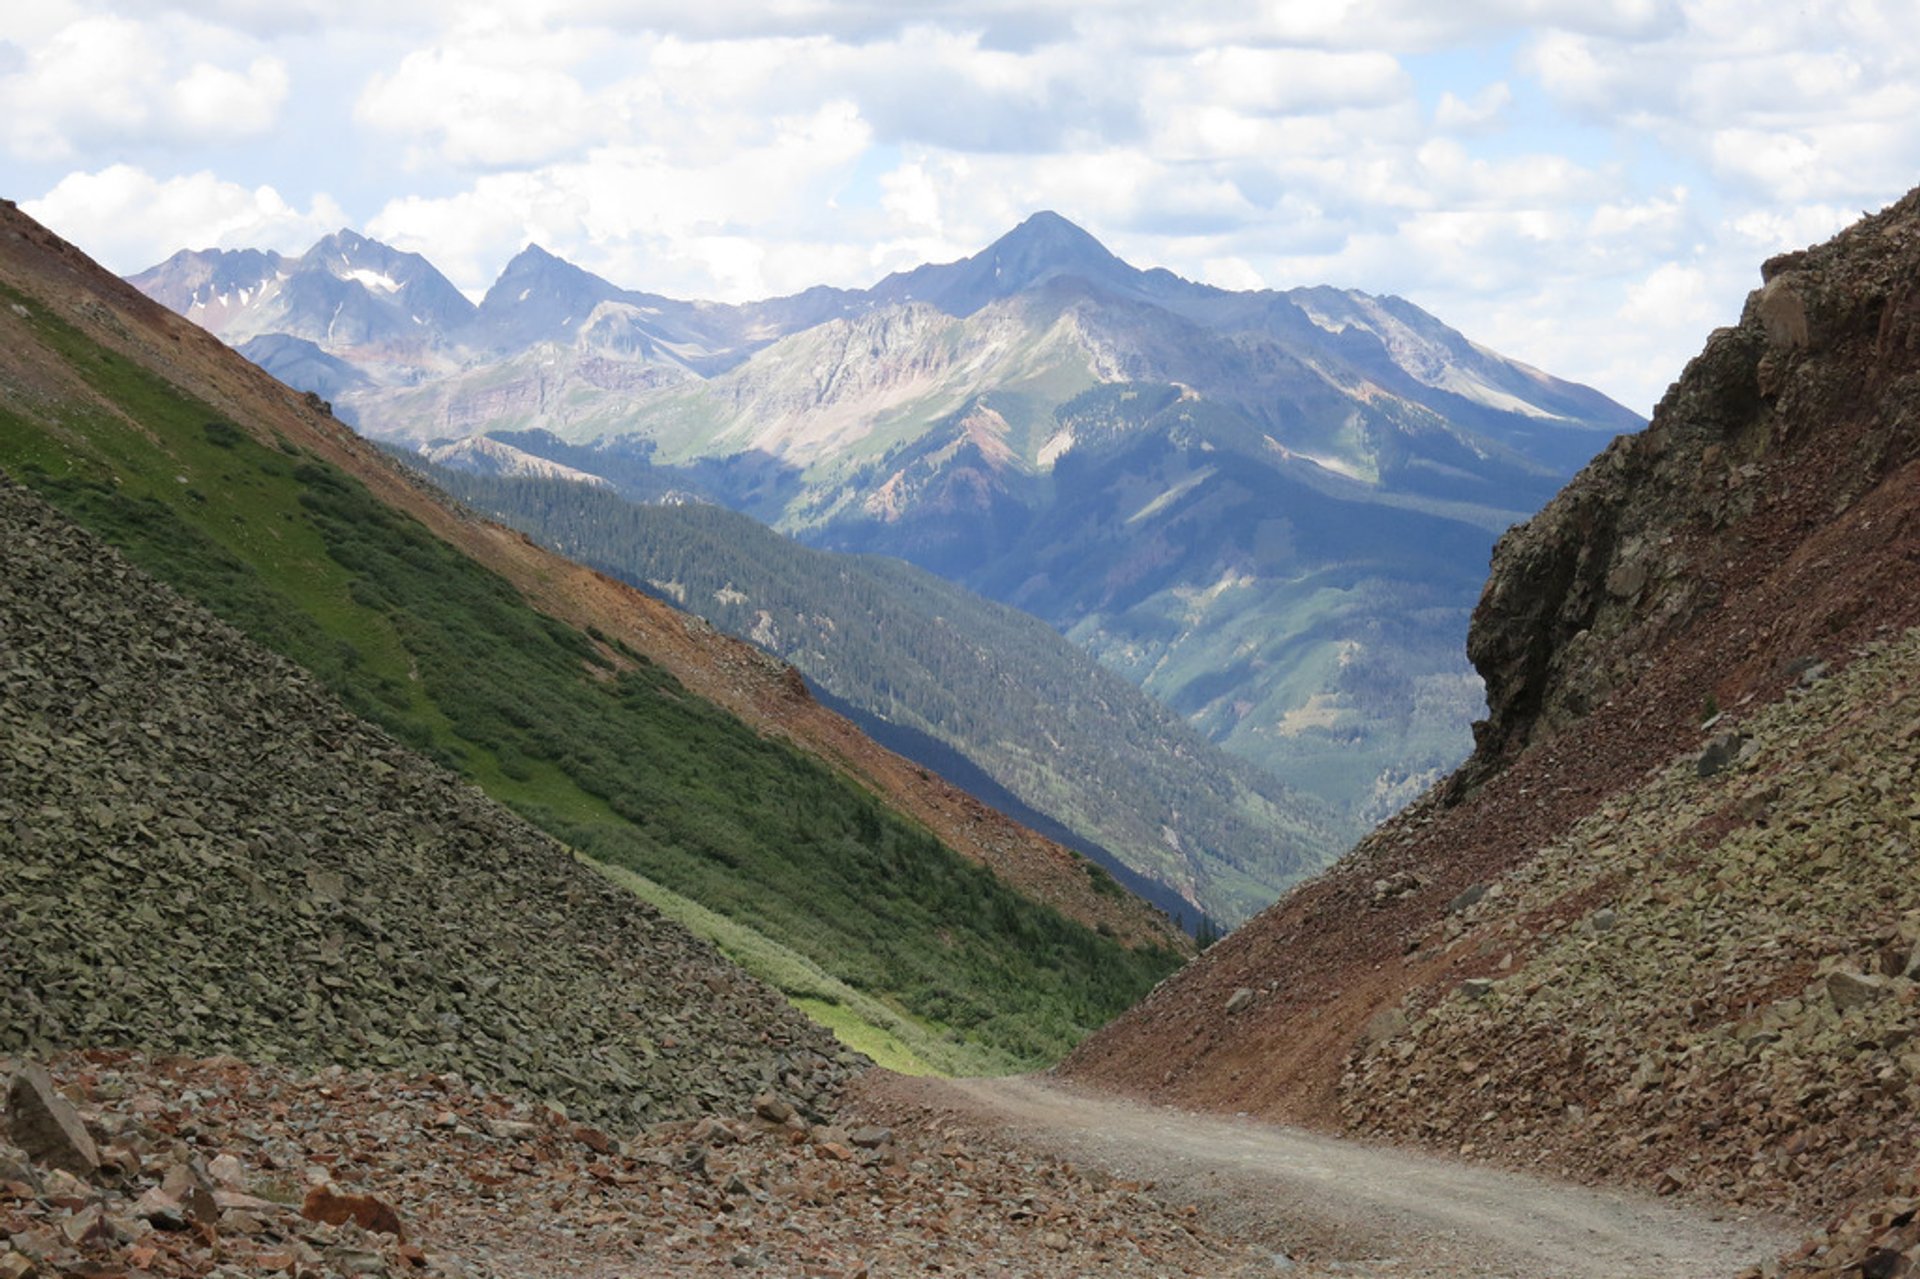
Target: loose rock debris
<point>213,1167</point>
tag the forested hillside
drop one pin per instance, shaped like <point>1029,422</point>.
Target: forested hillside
<point>995,684</point>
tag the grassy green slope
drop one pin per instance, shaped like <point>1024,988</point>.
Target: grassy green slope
<point>596,745</point>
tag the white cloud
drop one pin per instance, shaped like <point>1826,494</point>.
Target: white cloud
<point>1231,273</point>
<point>1671,293</point>
<point>745,223</point>
<point>496,91</point>
<point>110,82</point>
<point>481,114</point>
<point>1266,81</point>
<point>1484,110</point>
<point>130,220</point>
<point>1777,230</point>
<point>211,102</point>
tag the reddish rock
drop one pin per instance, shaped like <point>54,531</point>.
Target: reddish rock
<point>324,1203</point>
<point>187,1186</point>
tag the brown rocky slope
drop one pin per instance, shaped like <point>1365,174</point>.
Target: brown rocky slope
<point>1660,927</point>
<point>766,693</point>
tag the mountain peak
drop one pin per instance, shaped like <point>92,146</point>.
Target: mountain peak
<point>536,265</point>
<point>345,240</point>
<point>1048,230</point>
<point>535,254</point>
<point>1044,247</point>
<point>539,297</point>
<point>1047,245</point>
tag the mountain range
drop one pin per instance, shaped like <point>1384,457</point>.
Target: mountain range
<point>1269,510</point>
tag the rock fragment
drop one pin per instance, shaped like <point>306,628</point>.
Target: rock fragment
<point>772,1109</point>
<point>1849,990</point>
<point>328,1205</point>
<point>1384,1025</point>
<point>1721,753</point>
<point>189,1187</point>
<point>46,1126</point>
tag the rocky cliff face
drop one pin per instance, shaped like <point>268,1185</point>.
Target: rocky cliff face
<point>1784,422</point>
<point>1661,927</point>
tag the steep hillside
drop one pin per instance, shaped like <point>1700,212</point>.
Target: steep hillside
<point>1662,927</point>
<point>733,675</point>
<point>915,651</point>
<point>206,854</point>
<point>430,622</point>
<point>462,1053</point>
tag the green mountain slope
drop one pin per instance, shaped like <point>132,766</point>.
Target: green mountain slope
<point>999,686</point>
<point>586,738</point>
<point>1305,622</point>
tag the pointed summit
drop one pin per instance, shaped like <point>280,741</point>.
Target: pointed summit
<point>345,238</point>
<point>347,248</point>
<point>535,267</point>
<point>1044,247</point>
<point>1058,239</point>
<point>539,297</point>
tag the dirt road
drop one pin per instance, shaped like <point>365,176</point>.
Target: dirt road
<point>1320,1205</point>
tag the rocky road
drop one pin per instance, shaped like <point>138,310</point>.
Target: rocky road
<point>1322,1205</point>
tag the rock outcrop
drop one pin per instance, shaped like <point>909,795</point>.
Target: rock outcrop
<point>1780,426</point>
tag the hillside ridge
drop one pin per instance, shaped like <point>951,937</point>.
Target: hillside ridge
<point>1659,928</point>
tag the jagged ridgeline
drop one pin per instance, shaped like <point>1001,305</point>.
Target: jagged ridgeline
<point>834,894</point>
<point>205,853</point>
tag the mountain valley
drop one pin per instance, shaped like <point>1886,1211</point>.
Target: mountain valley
<point>1661,929</point>
<point>997,688</point>
<point>314,1002</point>
<point>1269,511</point>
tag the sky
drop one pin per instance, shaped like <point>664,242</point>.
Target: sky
<point>1587,185</point>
